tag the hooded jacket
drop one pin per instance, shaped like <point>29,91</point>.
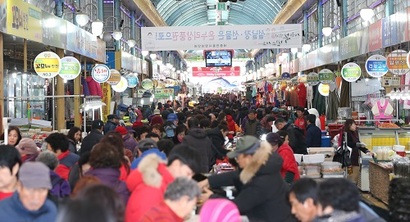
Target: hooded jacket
<point>197,138</point>
<point>147,185</point>
<point>90,140</point>
<point>231,126</point>
<point>218,141</point>
<point>261,189</point>
<point>111,178</point>
<point>129,142</point>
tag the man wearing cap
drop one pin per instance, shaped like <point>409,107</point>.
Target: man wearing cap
<point>30,202</point>
<point>93,138</point>
<point>261,190</point>
<point>170,125</point>
<point>112,123</point>
<point>127,136</point>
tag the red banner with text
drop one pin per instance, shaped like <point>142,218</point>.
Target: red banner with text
<point>216,72</point>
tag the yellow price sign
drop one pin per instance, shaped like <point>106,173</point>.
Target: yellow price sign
<point>47,64</point>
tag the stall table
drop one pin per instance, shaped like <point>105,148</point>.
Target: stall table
<point>379,178</point>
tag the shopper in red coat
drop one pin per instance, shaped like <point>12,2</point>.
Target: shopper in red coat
<point>149,181</point>
<point>289,170</point>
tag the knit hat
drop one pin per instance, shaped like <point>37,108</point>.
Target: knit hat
<point>35,175</point>
<point>215,210</point>
<point>121,130</point>
<point>172,117</point>
<point>157,112</point>
<point>27,146</point>
<point>273,138</point>
<point>245,145</point>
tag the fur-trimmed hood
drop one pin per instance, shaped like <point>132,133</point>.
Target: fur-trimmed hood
<point>263,162</point>
<point>151,170</point>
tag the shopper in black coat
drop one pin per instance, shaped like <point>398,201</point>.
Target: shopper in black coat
<point>217,137</point>
<point>93,137</point>
<point>313,133</point>
<point>261,191</point>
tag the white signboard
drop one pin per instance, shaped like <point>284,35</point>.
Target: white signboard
<point>221,37</point>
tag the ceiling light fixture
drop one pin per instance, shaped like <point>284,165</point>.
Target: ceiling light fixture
<point>97,27</point>
<point>117,35</point>
<point>366,14</point>
<point>82,19</point>
<point>131,42</point>
<point>327,31</point>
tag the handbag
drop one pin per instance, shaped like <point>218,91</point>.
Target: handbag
<point>343,154</point>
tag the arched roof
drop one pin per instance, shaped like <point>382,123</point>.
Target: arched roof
<point>203,12</point>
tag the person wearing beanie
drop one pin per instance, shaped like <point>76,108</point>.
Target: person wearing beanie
<point>170,125</point>
<point>127,136</point>
<point>157,118</point>
<point>112,123</point>
<point>30,202</point>
<point>261,190</point>
<point>28,149</point>
<point>219,210</point>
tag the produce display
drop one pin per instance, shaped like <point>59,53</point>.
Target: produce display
<point>388,126</point>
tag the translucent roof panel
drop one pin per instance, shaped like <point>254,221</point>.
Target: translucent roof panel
<point>203,12</point>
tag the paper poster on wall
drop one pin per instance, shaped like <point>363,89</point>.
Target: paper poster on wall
<point>397,62</point>
<point>376,66</point>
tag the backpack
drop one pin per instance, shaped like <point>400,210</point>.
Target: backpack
<point>169,130</point>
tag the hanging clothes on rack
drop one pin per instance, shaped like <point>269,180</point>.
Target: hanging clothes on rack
<point>309,96</point>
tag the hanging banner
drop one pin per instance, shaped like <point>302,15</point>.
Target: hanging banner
<point>47,64</point>
<point>132,80</point>
<point>376,66</point>
<point>106,98</point>
<point>351,72</point>
<point>163,93</point>
<point>326,76</point>
<point>313,79</point>
<point>100,73</point>
<point>70,68</point>
<point>213,71</point>
<point>324,89</point>
<point>121,86</point>
<point>375,37</point>
<point>115,77</point>
<point>221,37</point>
<point>397,62</point>
<point>147,84</point>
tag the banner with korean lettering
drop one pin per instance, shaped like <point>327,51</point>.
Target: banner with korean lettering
<point>211,72</point>
<point>24,20</point>
<point>221,37</point>
<point>375,37</point>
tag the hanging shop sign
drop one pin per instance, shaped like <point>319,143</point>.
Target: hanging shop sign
<point>396,62</point>
<point>47,64</point>
<point>115,77</point>
<point>70,68</point>
<point>132,80</point>
<point>351,72</point>
<point>285,75</point>
<point>313,78</point>
<point>121,86</point>
<point>326,76</point>
<point>147,84</point>
<point>376,66</point>
<point>324,89</point>
<point>100,73</point>
<point>164,93</point>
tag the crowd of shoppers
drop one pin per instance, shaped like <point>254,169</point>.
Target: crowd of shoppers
<point>157,169</point>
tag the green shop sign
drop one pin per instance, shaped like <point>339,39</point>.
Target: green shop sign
<point>326,76</point>
<point>351,72</point>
